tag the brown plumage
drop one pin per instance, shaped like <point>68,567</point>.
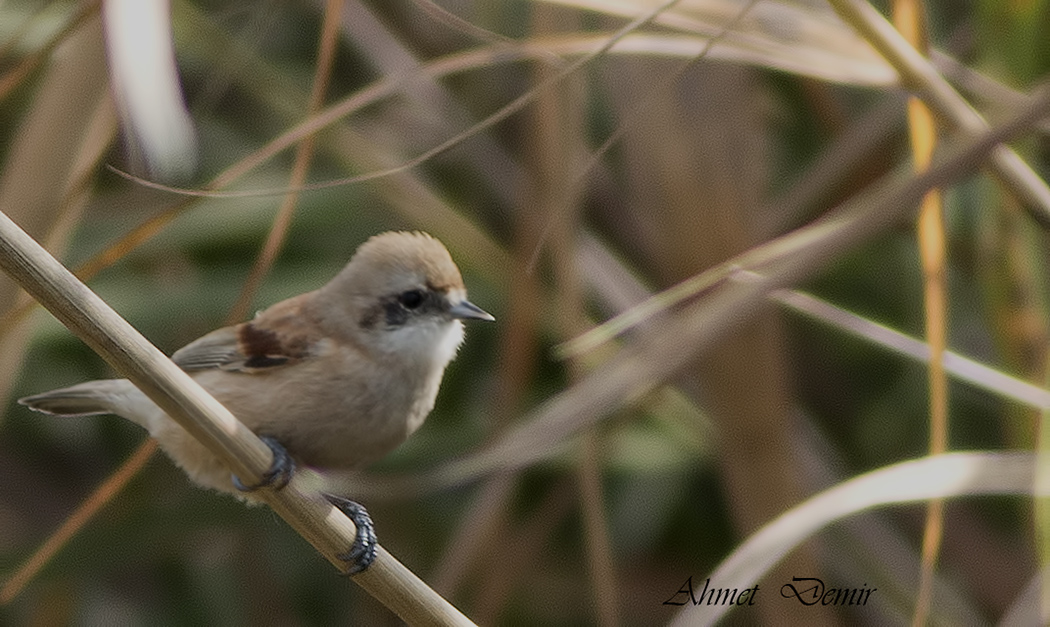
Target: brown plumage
<point>339,376</point>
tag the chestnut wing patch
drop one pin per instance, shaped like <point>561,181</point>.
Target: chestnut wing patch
<point>264,348</point>
<point>246,347</point>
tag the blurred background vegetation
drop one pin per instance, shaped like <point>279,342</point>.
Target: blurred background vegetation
<point>712,152</point>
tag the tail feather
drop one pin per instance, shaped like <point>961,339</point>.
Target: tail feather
<point>85,399</point>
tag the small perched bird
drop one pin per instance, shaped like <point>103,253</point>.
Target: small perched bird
<point>335,378</point>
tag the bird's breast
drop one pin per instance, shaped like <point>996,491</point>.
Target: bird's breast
<point>337,410</point>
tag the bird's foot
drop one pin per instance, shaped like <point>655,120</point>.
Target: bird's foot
<point>280,473</point>
<point>363,552</point>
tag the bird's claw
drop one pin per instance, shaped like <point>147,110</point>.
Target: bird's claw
<point>280,473</point>
<point>363,552</point>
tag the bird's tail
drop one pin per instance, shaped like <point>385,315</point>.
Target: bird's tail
<point>85,399</point>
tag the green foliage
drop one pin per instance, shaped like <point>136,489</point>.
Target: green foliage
<point>708,153</point>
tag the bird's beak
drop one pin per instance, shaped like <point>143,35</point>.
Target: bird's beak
<point>466,310</point>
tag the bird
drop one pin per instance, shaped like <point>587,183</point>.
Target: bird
<point>335,378</point>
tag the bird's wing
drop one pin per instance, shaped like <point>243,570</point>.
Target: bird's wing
<point>217,349</point>
<point>279,336</point>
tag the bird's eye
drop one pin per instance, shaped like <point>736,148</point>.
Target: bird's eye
<point>411,299</point>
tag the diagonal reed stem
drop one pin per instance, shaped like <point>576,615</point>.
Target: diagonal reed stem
<point>116,341</point>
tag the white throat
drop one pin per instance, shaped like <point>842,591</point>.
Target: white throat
<point>448,343</point>
<point>432,343</point>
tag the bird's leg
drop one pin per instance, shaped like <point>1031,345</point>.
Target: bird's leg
<point>363,552</point>
<point>280,473</point>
